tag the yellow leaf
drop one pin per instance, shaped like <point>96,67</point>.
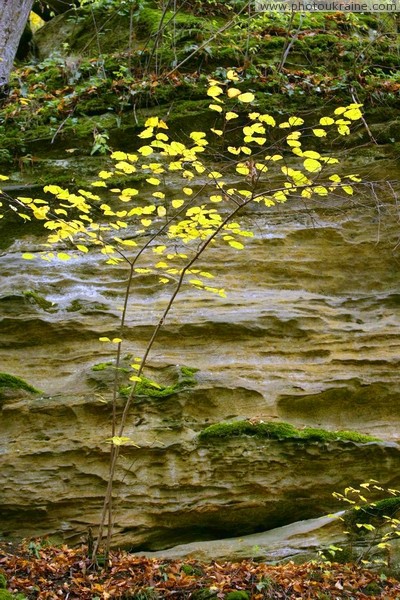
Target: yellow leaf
<point>343,130</point>
<point>295,121</point>
<point>348,189</point>
<point>130,192</point>
<point>326,121</point>
<point>153,181</point>
<point>353,114</point>
<point>280,196</point>
<point>28,256</point>
<point>151,122</point>
<point>177,203</point>
<point>215,107</point>
<point>188,191</point>
<point>197,135</point>
<point>236,244</point>
<point>312,154</point>
<point>63,256</point>
<point>82,248</point>
<point>246,98</point>
<point>147,133</point>
<point>196,282</point>
<point>231,115</point>
<point>119,155</point>
<point>267,119</point>
<point>319,132</point>
<point>340,110</point>
<point>4,178</point>
<point>233,150</point>
<point>145,222</point>
<point>128,243</point>
<point>160,195</point>
<point>135,378</point>
<point>98,184</point>
<point>216,198</point>
<point>146,150</point>
<point>312,165</point>
<point>232,76</point>
<point>242,170</point>
<point>214,91</point>
<point>321,190</point>
<point>335,178</point>
<point>233,92</point>
<point>161,211</point>
<point>217,131</point>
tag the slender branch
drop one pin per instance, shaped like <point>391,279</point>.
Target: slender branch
<point>210,39</point>
<point>115,449</point>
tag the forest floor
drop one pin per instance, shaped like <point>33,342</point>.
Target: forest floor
<point>41,572</point>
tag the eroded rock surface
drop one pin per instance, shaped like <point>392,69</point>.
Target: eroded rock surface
<point>174,488</point>
<point>307,334</point>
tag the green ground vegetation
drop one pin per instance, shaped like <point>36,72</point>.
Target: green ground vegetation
<point>101,81</point>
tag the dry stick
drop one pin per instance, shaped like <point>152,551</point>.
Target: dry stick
<point>204,44</point>
<point>292,41</point>
<point>59,129</point>
<point>364,122</point>
<point>158,34</point>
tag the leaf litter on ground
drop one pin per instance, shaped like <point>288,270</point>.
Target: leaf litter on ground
<point>48,573</point>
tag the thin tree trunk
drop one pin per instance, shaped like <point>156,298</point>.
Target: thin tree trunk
<point>14,15</point>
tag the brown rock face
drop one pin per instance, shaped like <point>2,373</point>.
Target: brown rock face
<point>174,488</point>
<point>307,334</point>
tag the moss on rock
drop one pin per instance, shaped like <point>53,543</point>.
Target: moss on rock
<point>280,431</point>
<point>148,388</point>
<point>40,301</point>
<point>8,381</point>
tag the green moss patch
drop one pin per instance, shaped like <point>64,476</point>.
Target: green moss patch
<point>148,388</point>
<point>10,381</point>
<point>280,431</point>
<point>40,301</point>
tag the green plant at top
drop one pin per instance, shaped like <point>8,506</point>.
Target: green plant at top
<point>164,234</point>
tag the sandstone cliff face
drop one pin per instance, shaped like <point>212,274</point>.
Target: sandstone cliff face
<point>175,488</point>
<point>307,334</point>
